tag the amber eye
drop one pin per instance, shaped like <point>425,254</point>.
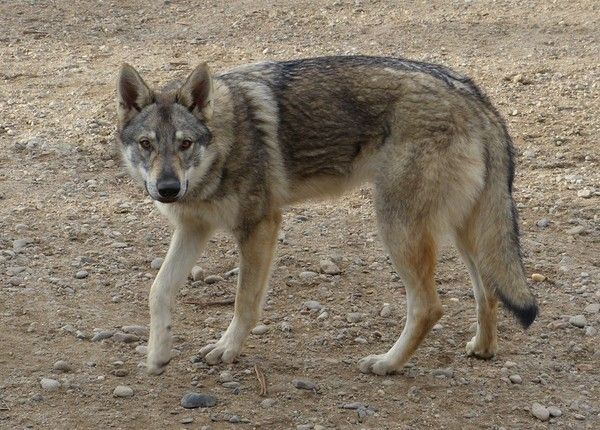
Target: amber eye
<point>145,144</point>
<point>186,144</point>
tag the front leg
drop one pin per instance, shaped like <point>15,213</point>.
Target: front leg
<point>186,244</point>
<point>256,253</point>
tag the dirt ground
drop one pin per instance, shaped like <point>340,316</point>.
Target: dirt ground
<point>67,211</point>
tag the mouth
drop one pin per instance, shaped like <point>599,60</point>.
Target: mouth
<point>166,200</point>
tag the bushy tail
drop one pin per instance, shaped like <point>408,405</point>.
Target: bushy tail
<point>499,254</point>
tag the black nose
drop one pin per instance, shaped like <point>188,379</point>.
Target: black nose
<point>168,188</point>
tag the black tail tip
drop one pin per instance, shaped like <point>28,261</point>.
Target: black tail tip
<point>525,314</point>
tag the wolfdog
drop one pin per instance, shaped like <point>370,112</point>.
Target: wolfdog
<point>231,150</point>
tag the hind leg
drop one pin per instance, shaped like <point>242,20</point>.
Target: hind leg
<point>413,251</point>
<point>484,343</point>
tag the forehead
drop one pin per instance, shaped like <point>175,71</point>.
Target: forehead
<point>164,119</point>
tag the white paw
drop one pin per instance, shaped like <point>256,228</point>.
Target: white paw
<point>377,364</point>
<point>222,351</point>
<point>475,350</point>
<point>157,359</point>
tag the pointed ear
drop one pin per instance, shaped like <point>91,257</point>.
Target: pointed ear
<point>197,92</point>
<point>132,94</point>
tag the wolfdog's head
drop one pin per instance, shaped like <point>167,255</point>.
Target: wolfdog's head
<point>164,136</point>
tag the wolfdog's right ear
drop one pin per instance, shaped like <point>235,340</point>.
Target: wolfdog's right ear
<point>132,94</point>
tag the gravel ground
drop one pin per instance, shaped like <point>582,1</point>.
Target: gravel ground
<point>79,244</point>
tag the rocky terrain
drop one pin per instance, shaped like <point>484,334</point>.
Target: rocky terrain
<point>80,244</point>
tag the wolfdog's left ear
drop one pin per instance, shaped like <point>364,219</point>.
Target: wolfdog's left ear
<point>132,94</point>
<point>197,92</point>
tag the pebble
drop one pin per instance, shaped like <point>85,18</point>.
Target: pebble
<point>232,272</point>
<point>308,276</point>
<point>141,349</point>
<point>593,308</point>
<point>554,411</point>
<point>304,427</point>
<point>225,376</point>
<point>576,230</point>
<point>138,330</point>
<point>123,391</point>
<point>353,405</point>
<point>232,385</point>
<point>50,384</point>
<point>540,412</point>
<point>82,274</point>
<point>197,273</point>
<point>313,305</point>
<point>267,403</point>
<point>103,334</point>
<point>543,223</point>
<point>124,337</point>
<point>354,317</point>
<point>19,244</point>
<point>260,329</point>
<point>62,366</point>
<point>187,420</point>
<point>591,331</point>
<point>386,310</point>
<point>578,321</point>
<point>586,194</point>
<point>445,372</point>
<point>304,384</point>
<point>437,327</point>
<point>536,277</point>
<point>156,263</point>
<point>285,327</point>
<point>196,400</point>
<point>516,379</point>
<point>213,279</point>
<point>329,267</point>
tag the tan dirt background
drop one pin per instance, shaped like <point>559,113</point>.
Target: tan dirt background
<point>66,206</point>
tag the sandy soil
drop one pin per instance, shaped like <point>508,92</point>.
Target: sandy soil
<point>66,207</point>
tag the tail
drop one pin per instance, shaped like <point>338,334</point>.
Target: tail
<point>496,237</point>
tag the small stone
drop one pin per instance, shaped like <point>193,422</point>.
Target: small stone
<point>536,277</point>
<point>142,349</point>
<point>516,379</point>
<point>540,412</point>
<point>329,267</point>
<point>386,310</point>
<point>308,276</point>
<point>124,337</point>
<point>232,385</point>
<point>260,329</point>
<point>586,194</point>
<point>554,411</point>
<point>234,419</point>
<point>156,263</point>
<point>103,334</point>
<point>304,384</point>
<point>138,330</point>
<point>437,327</point>
<point>443,372</point>
<point>213,279</point>
<point>82,274</point>
<point>231,273</point>
<point>37,397</point>
<point>576,230</point>
<point>187,420</point>
<point>123,391</point>
<point>543,223</point>
<point>285,327</point>
<point>196,400</point>
<point>225,376</point>
<point>50,384</point>
<point>197,273</point>
<point>353,406</point>
<point>591,331</point>
<point>19,244</point>
<point>354,317</point>
<point>62,366</point>
<point>313,305</point>
<point>120,372</point>
<point>593,308</point>
<point>304,427</point>
<point>267,403</point>
<point>510,364</point>
<point>578,321</point>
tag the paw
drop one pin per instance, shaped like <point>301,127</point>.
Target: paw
<point>156,363</point>
<point>474,349</point>
<point>377,364</point>
<point>222,351</point>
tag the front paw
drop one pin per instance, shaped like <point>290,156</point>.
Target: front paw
<point>377,364</point>
<point>475,349</point>
<point>159,355</point>
<point>222,351</point>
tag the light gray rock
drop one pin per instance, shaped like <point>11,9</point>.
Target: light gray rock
<point>142,349</point>
<point>329,267</point>
<point>156,263</point>
<point>62,366</point>
<point>543,223</point>
<point>267,403</point>
<point>213,279</point>
<point>516,379</point>
<point>138,330</point>
<point>260,329</point>
<point>197,273</point>
<point>354,317</point>
<point>592,308</point>
<point>304,384</point>
<point>554,411</point>
<point>312,305</point>
<point>447,372</point>
<point>308,276</point>
<point>225,376</point>
<point>82,274</point>
<point>124,337</point>
<point>123,391</point>
<point>578,321</point>
<point>386,310</point>
<point>540,412</point>
<point>103,334</point>
<point>49,384</point>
